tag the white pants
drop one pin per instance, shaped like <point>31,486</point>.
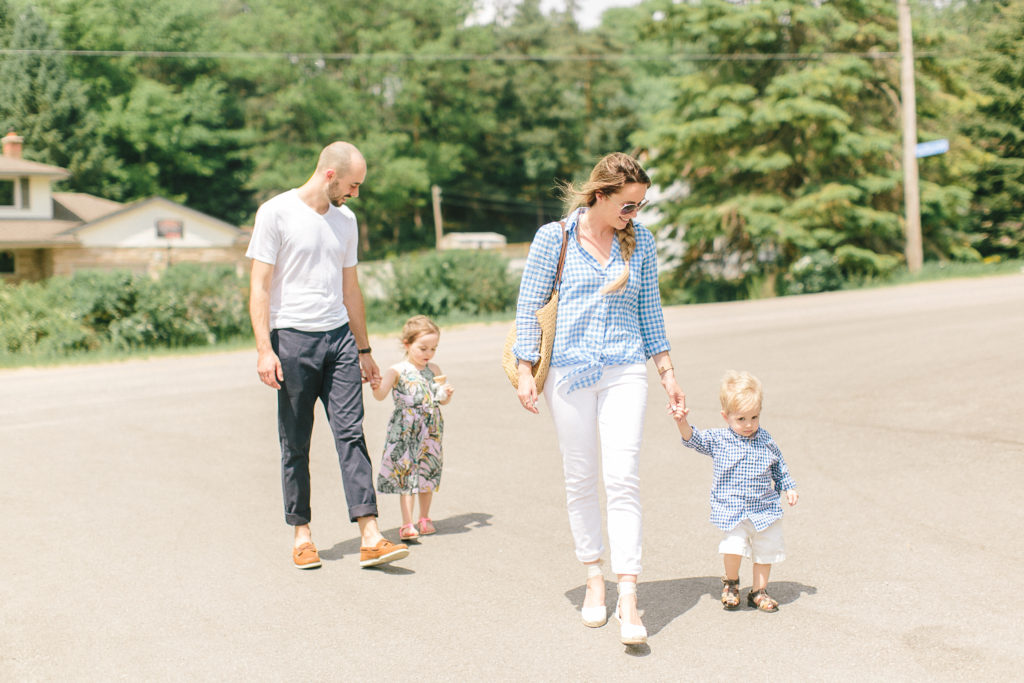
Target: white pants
<point>612,411</point>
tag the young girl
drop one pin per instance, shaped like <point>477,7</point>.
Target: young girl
<point>412,458</point>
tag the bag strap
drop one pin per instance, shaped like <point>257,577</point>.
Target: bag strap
<point>561,259</point>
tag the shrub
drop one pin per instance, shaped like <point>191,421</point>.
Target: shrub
<point>863,265</point>
<point>817,271</point>
<point>190,305</point>
<point>447,282</point>
<point>38,318</point>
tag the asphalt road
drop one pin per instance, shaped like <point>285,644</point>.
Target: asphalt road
<point>142,535</point>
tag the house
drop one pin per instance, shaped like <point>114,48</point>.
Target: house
<point>45,233</point>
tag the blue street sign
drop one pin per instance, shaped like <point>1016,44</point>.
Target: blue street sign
<point>932,147</point>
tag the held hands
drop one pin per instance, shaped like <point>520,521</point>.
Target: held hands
<point>676,398</point>
<point>792,497</point>
<point>679,411</point>
<point>369,370</point>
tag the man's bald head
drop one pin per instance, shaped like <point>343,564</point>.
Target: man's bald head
<point>339,156</point>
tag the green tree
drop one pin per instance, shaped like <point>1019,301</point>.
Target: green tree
<point>385,105</point>
<point>182,143</point>
<point>545,112</point>
<point>45,105</point>
<point>788,140</point>
<point>998,126</point>
<point>167,126</point>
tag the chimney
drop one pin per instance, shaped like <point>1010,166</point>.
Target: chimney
<point>12,145</point>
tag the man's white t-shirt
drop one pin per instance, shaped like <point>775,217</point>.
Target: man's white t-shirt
<point>308,251</point>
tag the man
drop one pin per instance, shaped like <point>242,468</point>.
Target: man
<point>310,325</point>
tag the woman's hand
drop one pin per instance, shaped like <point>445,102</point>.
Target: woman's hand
<point>527,390</point>
<point>676,397</point>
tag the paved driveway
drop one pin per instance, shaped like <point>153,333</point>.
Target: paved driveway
<point>142,537</point>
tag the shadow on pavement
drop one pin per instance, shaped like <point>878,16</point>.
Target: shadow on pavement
<point>662,601</point>
<point>457,524</point>
<point>460,524</point>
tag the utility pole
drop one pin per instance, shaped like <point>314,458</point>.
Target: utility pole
<point>911,189</point>
<point>435,195</point>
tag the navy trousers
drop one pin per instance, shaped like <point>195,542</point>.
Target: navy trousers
<point>325,366</point>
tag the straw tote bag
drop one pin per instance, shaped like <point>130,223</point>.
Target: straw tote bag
<point>546,316</point>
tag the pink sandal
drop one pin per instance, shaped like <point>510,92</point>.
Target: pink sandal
<point>407,532</point>
<point>426,526</point>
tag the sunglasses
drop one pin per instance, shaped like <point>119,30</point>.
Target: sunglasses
<point>630,207</point>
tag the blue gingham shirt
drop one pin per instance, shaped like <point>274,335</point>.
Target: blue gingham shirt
<point>749,475</point>
<point>593,330</point>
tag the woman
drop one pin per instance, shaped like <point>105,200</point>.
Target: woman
<point>609,323</point>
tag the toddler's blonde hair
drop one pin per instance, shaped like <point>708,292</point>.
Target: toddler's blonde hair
<point>740,391</point>
<point>417,326</point>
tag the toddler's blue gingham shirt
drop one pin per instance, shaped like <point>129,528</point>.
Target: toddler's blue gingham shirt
<point>749,475</point>
<point>593,330</point>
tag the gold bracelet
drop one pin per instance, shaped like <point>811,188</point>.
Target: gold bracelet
<point>661,373</point>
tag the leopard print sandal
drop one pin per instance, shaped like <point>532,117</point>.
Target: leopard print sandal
<point>730,593</point>
<point>762,601</point>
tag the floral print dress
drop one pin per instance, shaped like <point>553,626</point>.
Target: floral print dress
<point>412,449</point>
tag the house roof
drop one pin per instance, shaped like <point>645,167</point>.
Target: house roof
<point>70,211</point>
<point>30,234</point>
<point>23,167</point>
<point>77,211</point>
<point>124,208</point>
<point>82,207</point>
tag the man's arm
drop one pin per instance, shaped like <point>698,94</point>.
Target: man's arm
<point>352,295</point>
<point>268,365</point>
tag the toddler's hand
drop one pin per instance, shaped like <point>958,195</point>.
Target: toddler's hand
<point>792,496</point>
<point>678,411</point>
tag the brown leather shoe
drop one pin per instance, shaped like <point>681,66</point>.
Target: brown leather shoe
<point>306,556</point>
<point>385,551</point>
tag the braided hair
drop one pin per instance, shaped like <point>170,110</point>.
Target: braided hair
<point>610,174</point>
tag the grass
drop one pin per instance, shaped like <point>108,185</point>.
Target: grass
<point>934,270</point>
<point>390,326</point>
<point>118,355</point>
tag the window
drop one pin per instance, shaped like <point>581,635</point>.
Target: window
<point>6,192</point>
<point>169,228</point>
<point>6,262</point>
<point>14,192</point>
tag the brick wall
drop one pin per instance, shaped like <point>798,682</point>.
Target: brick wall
<point>152,261</point>
<point>30,265</point>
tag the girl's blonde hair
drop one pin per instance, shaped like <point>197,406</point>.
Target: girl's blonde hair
<point>417,326</point>
<point>609,175</point>
<point>740,390</point>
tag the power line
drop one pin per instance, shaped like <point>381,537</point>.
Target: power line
<point>322,58</point>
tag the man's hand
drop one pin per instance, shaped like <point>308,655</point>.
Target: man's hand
<point>268,366</point>
<point>369,370</point>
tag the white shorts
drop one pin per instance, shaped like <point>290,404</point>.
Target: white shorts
<point>763,547</point>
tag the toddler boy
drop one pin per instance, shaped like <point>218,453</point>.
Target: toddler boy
<point>749,475</point>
